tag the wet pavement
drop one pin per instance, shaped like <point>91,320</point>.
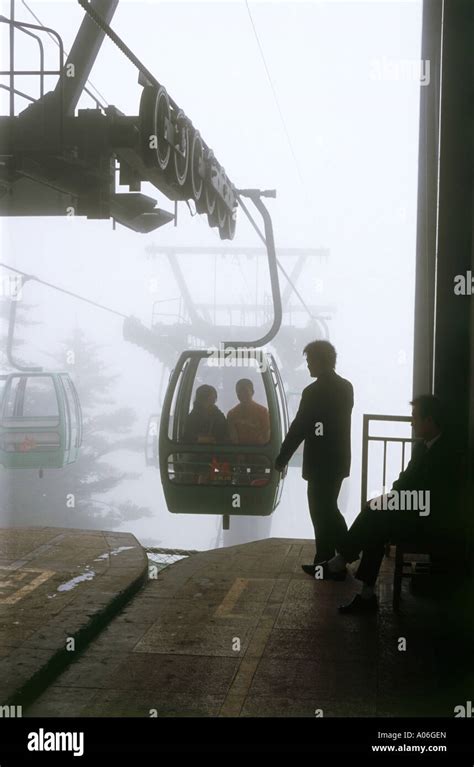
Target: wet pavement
<point>242,631</point>
<point>58,588</point>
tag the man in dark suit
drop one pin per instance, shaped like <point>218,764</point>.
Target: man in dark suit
<point>323,421</point>
<point>421,506</point>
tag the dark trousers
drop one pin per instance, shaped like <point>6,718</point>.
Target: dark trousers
<point>329,525</point>
<point>371,531</point>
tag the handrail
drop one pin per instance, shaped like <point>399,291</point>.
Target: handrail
<point>41,47</point>
<point>23,26</point>
<point>366,438</point>
<point>19,93</point>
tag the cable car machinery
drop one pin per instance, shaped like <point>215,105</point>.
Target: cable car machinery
<point>56,162</point>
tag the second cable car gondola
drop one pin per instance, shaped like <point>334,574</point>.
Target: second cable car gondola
<point>203,476</point>
<point>40,413</point>
<point>40,421</point>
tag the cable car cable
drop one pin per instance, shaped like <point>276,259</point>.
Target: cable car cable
<point>64,290</point>
<point>280,111</point>
<point>144,71</point>
<point>122,46</point>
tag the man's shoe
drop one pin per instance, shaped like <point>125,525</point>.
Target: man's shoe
<point>308,569</point>
<point>325,574</point>
<point>360,606</point>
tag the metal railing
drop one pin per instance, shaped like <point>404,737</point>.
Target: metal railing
<point>367,438</point>
<point>12,73</point>
<point>201,469</point>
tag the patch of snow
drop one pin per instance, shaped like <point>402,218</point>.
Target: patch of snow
<point>113,553</point>
<point>69,585</point>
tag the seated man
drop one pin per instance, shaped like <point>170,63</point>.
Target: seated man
<point>420,507</point>
<point>205,424</point>
<point>249,422</point>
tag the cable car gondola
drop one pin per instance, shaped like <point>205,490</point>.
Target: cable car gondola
<point>203,477</point>
<point>40,413</point>
<point>40,421</point>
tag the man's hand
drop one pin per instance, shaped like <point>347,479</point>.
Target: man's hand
<point>279,464</point>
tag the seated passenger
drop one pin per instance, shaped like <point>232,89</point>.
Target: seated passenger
<point>432,478</point>
<point>206,424</point>
<point>249,422</point>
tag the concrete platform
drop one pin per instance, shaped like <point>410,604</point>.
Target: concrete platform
<point>242,631</point>
<point>58,585</point>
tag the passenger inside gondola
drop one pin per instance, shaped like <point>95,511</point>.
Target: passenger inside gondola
<point>215,450</point>
<point>249,422</point>
<point>206,424</point>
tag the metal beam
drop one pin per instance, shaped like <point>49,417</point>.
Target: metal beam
<point>295,273</point>
<point>83,54</point>
<point>197,321</point>
<point>453,345</point>
<point>427,201</point>
<point>454,341</point>
<point>191,250</point>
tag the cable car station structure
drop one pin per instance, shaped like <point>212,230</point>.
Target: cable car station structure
<point>290,660</point>
<point>56,162</point>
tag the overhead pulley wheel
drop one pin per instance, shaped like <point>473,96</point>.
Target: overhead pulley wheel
<point>227,231</point>
<point>181,152</point>
<point>222,211</point>
<point>163,127</point>
<point>197,172</point>
<point>155,127</point>
<point>210,196</point>
<point>210,191</point>
<point>212,218</point>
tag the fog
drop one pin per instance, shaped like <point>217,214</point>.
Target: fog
<point>339,145</point>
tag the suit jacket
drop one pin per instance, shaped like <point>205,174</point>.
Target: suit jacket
<point>209,423</point>
<point>329,402</point>
<point>435,469</point>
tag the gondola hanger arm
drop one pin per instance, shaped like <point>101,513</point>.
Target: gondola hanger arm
<point>256,195</point>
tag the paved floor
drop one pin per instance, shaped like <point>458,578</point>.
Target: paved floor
<point>243,631</point>
<point>57,588</point>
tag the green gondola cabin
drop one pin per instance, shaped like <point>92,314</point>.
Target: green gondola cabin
<point>203,476</point>
<point>40,421</point>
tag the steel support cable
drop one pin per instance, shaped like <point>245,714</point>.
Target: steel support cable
<point>85,4</point>
<point>63,290</point>
<point>277,103</point>
<point>121,45</point>
<point>151,79</point>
